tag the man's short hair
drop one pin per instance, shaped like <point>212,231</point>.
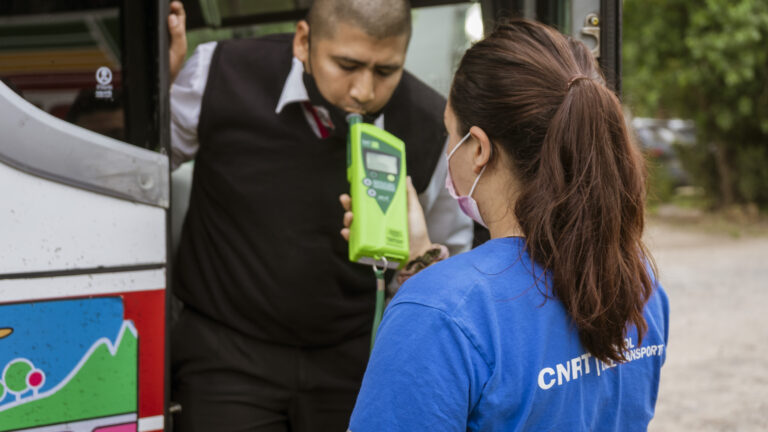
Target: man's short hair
<point>380,19</point>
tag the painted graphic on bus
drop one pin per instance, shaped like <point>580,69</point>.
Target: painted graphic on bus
<point>71,363</point>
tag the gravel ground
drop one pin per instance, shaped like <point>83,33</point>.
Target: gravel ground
<point>716,373</point>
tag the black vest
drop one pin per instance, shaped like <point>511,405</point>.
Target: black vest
<point>260,250</point>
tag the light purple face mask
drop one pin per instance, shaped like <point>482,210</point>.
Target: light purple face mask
<point>467,204</point>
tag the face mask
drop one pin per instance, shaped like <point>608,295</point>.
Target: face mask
<point>338,115</point>
<point>467,204</point>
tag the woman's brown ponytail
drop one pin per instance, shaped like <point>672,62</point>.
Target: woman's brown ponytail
<point>540,97</point>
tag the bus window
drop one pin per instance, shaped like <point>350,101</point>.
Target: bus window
<point>66,58</point>
<point>441,34</point>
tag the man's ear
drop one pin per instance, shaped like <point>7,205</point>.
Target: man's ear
<point>301,42</point>
<point>482,153</point>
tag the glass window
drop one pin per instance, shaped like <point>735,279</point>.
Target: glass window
<point>65,58</point>
<point>556,13</point>
<point>234,8</point>
<point>441,34</point>
<point>201,35</point>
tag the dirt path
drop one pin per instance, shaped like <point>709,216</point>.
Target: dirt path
<point>716,373</point>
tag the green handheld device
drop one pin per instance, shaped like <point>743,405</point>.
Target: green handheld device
<point>377,179</point>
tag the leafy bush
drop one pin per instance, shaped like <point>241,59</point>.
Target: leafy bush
<point>707,61</point>
<point>661,185</point>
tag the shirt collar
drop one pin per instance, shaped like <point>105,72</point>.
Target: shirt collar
<point>295,91</point>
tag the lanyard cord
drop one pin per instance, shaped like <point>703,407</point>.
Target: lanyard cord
<point>379,311</point>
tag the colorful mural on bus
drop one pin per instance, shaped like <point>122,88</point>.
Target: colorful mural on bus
<point>68,365</point>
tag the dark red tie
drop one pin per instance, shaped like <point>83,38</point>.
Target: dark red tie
<point>320,126</point>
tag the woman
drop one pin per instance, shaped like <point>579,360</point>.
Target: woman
<point>556,323</point>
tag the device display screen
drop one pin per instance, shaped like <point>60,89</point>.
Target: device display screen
<point>381,162</point>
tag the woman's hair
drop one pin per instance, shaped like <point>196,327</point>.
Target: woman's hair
<point>541,98</point>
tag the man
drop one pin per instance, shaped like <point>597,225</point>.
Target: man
<point>275,331</point>
<point>101,115</point>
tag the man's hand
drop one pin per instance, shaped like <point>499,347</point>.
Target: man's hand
<point>177,28</point>
<point>417,224</point>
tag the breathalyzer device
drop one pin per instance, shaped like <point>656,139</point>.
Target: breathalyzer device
<point>377,179</point>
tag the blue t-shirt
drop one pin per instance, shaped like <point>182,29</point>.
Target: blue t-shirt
<point>472,344</point>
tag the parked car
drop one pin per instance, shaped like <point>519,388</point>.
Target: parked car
<point>659,137</point>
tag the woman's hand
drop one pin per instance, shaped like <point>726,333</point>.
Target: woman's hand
<point>418,236</point>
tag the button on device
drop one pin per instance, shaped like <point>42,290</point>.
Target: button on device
<point>367,181</point>
<point>371,192</point>
<point>384,186</point>
<point>374,174</point>
<point>391,177</point>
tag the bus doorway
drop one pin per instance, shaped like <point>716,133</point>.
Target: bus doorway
<point>442,31</point>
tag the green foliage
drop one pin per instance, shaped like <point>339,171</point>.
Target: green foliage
<point>752,164</point>
<point>699,163</point>
<point>661,185</point>
<point>705,60</point>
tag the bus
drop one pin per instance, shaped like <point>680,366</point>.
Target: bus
<point>90,209</point>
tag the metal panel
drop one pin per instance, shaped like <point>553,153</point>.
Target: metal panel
<point>98,357</point>
<point>84,285</point>
<point>610,50</point>
<point>582,26</point>
<point>40,144</point>
<point>48,227</point>
<point>605,36</point>
<point>142,56</point>
<point>597,23</point>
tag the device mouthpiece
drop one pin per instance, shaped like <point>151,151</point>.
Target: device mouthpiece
<point>354,118</point>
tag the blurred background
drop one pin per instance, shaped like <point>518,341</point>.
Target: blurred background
<point>704,62</point>
<point>695,85</point>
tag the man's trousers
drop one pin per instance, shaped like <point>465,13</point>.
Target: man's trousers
<point>226,381</point>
